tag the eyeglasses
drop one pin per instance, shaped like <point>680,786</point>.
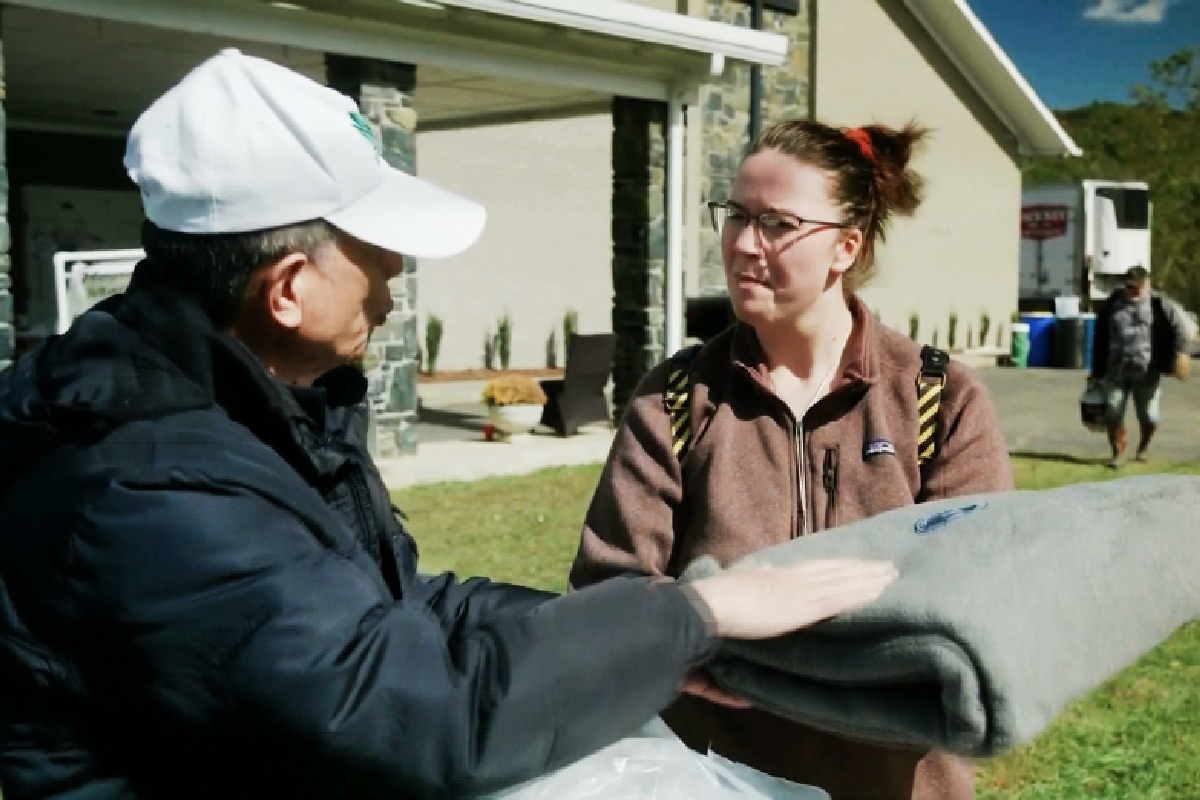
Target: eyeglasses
<point>772,224</point>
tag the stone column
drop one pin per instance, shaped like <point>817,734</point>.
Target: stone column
<point>384,92</point>
<point>7,342</point>
<point>726,111</point>
<point>639,156</point>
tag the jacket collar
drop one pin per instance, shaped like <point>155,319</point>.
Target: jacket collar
<point>165,356</point>
<point>860,357</point>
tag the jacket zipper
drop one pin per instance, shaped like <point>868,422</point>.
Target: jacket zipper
<point>801,475</point>
<point>387,554</point>
<point>360,499</point>
<point>829,480</point>
<point>802,495</point>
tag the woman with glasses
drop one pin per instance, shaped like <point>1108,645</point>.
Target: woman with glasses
<point>806,414</point>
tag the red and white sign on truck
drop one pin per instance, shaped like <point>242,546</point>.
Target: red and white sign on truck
<point>1042,221</point>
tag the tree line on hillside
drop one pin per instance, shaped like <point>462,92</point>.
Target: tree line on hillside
<point>1156,138</point>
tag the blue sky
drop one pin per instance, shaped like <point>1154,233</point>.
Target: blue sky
<point>1075,51</point>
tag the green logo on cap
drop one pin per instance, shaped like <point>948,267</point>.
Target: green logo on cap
<point>364,127</point>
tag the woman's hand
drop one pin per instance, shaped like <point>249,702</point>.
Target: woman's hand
<point>699,683</point>
<point>762,602</point>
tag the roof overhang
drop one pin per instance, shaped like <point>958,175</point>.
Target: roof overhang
<point>972,49</point>
<point>605,46</point>
<point>632,22</point>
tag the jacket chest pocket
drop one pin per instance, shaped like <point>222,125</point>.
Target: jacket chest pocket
<point>829,482</point>
<point>874,485</point>
<point>853,480</point>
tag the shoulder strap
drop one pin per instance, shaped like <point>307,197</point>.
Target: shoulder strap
<point>678,400</point>
<point>930,382</point>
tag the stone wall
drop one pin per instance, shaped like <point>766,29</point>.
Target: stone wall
<point>7,341</point>
<point>384,92</point>
<point>639,156</point>
<point>726,113</point>
<point>639,186</point>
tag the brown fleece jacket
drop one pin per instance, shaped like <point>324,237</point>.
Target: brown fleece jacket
<point>755,477</point>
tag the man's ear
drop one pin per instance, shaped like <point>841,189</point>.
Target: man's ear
<point>282,288</point>
<point>848,246</point>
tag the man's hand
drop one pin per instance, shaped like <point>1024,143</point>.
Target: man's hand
<point>1183,365</point>
<point>758,603</point>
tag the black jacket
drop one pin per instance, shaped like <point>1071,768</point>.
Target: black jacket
<point>204,592</point>
<point>1167,337</point>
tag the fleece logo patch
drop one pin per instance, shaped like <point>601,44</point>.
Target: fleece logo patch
<point>936,521</point>
<point>879,447</point>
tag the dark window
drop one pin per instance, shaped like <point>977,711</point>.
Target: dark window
<point>782,6</point>
<point>708,315</point>
<point>1132,206</point>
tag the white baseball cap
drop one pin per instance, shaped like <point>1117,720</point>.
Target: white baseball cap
<point>242,144</point>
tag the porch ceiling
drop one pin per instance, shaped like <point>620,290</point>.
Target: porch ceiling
<point>95,64</point>
<point>78,73</point>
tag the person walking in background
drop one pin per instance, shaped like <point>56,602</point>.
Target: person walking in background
<point>1140,336</point>
<point>805,415</point>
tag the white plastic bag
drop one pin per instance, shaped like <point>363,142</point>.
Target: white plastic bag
<point>656,765</point>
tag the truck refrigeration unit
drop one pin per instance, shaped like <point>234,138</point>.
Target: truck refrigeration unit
<point>1078,239</point>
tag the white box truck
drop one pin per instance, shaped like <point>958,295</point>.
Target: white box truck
<point>1078,239</point>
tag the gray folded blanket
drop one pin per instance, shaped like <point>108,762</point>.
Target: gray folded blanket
<point>1008,606</point>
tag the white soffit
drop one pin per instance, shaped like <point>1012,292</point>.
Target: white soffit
<point>632,22</point>
<point>971,47</point>
<point>601,46</point>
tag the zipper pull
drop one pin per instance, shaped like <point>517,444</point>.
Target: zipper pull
<point>829,472</point>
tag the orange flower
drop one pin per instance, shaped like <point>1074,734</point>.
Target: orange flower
<point>512,390</point>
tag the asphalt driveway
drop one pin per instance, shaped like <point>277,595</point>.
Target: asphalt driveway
<point>1039,412</point>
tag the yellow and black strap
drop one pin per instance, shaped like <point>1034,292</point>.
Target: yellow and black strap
<point>930,383</point>
<point>678,400</point>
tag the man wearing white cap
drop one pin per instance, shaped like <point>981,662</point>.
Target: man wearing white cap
<point>204,590</point>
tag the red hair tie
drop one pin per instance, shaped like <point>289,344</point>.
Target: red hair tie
<point>860,138</point>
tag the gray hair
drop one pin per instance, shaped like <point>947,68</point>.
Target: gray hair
<point>214,270</point>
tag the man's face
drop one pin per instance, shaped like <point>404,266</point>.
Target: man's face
<point>1135,287</point>
<point>344,296</point>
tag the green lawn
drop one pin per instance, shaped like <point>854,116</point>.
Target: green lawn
<point>1136,738</point>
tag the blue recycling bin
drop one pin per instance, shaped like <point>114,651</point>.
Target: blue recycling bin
<point>1041,338</point>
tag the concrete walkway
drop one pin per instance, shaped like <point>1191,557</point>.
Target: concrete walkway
<point>453,448</point>
<point>1038,410</point>
<point>471,459</point>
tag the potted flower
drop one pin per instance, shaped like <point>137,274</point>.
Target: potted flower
<point>514,403</point>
